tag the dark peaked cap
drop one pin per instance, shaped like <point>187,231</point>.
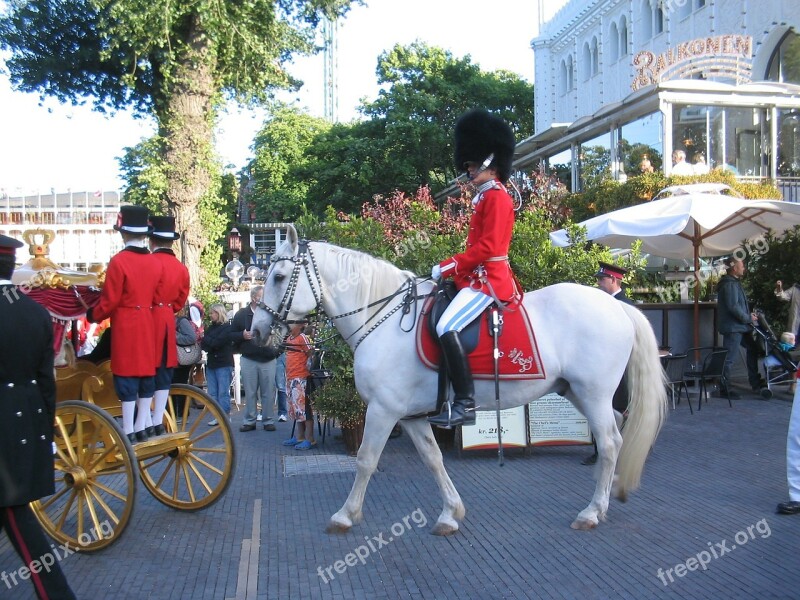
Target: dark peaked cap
<point>479,134</point>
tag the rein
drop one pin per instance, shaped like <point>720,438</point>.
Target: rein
<point>300,260</point>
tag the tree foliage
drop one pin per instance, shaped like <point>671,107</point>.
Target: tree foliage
<point>175,60</point>
<point>405,141</point>
<point>281,151</point>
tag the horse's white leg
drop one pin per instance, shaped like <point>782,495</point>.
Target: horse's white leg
<point>377,427</point>
<point>609,442</point>
<point>419,430</point>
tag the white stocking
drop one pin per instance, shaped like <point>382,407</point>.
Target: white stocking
<point>128,408</point>
<point>161,397</point>
<point>143,410</point>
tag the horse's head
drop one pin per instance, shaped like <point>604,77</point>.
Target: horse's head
<point>291,290</point>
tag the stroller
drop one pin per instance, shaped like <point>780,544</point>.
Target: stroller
<point>779,366</point>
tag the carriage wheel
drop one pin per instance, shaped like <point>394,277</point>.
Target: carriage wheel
<point>95,479</point>
<point>198,470</point>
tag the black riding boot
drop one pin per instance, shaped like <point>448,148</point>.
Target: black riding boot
<point>461,410</point>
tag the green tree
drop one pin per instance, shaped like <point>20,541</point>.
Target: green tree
<point>424,91</point>
<point>174,60</point>
<point>281,150</point>
<point>405,143</point>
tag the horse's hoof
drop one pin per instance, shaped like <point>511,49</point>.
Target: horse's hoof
<point>582,525</point>
<point>444,528</point>
<point>335,526</point>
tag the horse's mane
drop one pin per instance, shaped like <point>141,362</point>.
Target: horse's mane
<point>376,277</point>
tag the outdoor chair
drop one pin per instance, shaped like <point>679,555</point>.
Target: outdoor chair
<point>708,364</point>
<point>674,366</point>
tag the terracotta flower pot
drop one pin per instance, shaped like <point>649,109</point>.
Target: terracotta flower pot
<point>352,437</point>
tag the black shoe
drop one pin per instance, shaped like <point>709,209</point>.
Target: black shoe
<point>141,436</point>
<point>151,431</point>
<point>269,426</point>
<point>789,508</point>
<point>246,427</point>
<point>457,412</point>
<point>590,460</point>
<point>131,438</point>
<point>159,430</point>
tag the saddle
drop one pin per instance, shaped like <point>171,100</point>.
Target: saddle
<point>519,354</point>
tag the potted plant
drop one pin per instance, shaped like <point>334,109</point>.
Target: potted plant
<point>338,399</point>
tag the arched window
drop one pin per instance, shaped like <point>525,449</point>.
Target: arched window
<point>563,78</point>
<point>647,20</point>
<point>623,36</point>
<point>613,43</point>
<point>784,64</point>
<point>570,74</point>
<point>658,19</point>
<point>586,63</point>
<point>595,57</point>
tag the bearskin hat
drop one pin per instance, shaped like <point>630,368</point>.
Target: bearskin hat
<point>479,134</point>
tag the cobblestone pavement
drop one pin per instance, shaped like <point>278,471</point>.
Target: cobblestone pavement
<point>702,525</point>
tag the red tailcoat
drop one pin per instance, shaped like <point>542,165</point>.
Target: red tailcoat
<point>171,295</point>
<point>487,247</point>
<point>127,298</point>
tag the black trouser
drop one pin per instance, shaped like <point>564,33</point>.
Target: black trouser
<point>39,557</point>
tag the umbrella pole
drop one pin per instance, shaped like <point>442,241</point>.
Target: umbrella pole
<point>696,298</point>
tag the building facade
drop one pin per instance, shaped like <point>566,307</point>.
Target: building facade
<point>621,80</point>
<point>83,224</point>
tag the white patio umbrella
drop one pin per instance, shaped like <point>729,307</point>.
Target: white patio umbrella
<point>696,220</point>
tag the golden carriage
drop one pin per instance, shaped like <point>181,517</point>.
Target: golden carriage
<point>96,467</point>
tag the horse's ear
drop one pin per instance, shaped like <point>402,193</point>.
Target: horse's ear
<point>291,236</point>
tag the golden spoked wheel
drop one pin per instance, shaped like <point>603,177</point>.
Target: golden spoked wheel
<point>197,469</point>
<point>95,479</point>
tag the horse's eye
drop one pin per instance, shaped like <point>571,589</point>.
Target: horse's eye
<point>279,277</point>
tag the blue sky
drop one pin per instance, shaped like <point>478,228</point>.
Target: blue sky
<point>62,147</point>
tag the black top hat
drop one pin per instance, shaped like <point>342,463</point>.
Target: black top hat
<point>479,135</point>
<point>9,245</point>
<point>164,229</point>
<point>609,270</point>
<point>132,219</point>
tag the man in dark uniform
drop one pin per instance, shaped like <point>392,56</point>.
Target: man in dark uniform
<point>171,295</point>
<point>27,414</point>
<point>609,279</point>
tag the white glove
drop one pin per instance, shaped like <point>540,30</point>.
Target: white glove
<point>436,272</point>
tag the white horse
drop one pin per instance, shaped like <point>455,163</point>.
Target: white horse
<point>587,340</point>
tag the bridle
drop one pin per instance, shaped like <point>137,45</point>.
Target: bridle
<point>304,261</point>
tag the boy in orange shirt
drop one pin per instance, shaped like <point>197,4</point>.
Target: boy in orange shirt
<point>298,350</point>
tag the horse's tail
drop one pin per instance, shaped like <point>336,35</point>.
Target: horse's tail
<point>647,404</point>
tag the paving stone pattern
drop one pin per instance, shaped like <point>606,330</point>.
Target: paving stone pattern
<point>711,476</point>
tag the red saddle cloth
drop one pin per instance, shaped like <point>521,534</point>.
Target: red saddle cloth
<point>519,354</point>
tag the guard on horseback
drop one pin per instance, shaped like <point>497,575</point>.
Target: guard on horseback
<point>484,149</point>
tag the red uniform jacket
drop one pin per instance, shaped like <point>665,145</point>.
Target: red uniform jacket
<point>487,247</point>
<point>127,298</point>
<point>171,295</point>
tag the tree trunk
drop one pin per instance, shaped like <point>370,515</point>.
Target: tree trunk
<point>188,131</point>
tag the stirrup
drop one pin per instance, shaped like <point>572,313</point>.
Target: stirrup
<point>467,418</point>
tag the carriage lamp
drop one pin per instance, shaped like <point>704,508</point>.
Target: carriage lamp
<point>234,271</point>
